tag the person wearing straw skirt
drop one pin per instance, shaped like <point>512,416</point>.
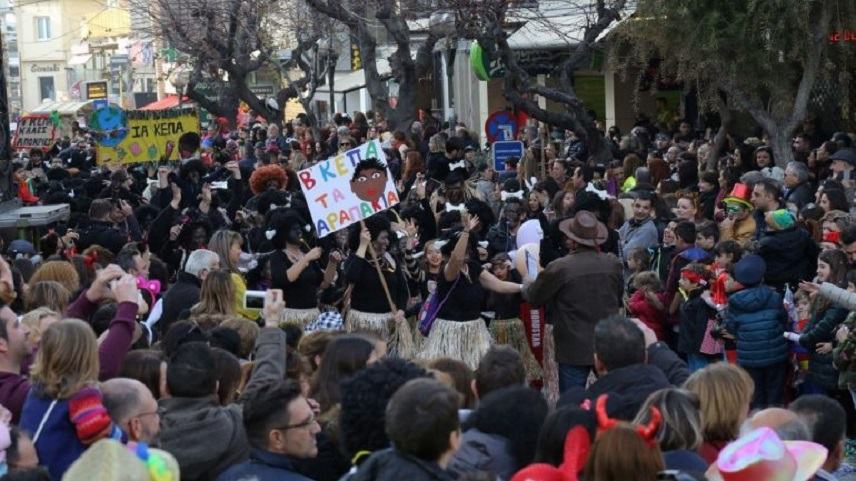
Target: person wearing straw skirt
<point>374,305</point>
<point>506,326</point>
<point>459,332</point>
<point>295,268</point>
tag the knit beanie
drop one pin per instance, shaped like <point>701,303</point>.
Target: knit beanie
<point>750,270</point>
<point>780,219</point>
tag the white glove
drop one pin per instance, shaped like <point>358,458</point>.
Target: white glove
<point>792,336</point>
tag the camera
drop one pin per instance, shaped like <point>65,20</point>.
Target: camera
<point>254,300</point>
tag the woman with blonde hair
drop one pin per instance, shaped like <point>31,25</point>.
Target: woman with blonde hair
<point>724,392</point>
<point>50,294</point>
<point>64,410</point>
<point>680,433</point>
<point>215,300</point>
<point>38,320</point>
<point>59,271</point>
<point>227,244</point>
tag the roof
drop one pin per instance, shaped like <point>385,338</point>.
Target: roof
<point>554,24</point>
<point>70,107</point>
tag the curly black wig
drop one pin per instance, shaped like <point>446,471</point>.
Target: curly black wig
<point>364,399</point>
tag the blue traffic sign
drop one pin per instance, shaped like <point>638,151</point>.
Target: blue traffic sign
<point>504,150</point>
<point>501,125</point>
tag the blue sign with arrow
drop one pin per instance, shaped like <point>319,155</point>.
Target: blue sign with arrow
<point>504,150</point>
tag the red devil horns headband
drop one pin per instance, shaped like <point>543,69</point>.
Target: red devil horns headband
<point>648,432</point>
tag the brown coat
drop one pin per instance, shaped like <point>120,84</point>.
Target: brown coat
<point>579,290</point>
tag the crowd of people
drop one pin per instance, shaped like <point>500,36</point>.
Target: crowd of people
<point>672,314</point>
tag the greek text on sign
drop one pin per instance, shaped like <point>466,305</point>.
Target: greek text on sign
<point>35,131</point>
<point>346,189</point>
<point>147,135</point>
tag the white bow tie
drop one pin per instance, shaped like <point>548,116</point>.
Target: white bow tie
<point>453,208</point>
<point>511,195</point>
<point>457,165</point>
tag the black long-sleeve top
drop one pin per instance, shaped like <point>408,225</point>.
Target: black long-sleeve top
<point>367,294</point>
<point>303,292</point>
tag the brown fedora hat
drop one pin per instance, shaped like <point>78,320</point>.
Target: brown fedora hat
<point>585,229</point>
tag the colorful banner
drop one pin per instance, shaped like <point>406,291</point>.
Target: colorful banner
<point>34,131</point>
<point>142,135</point>
<point>346,189</point>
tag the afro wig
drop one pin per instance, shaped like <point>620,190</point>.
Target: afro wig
<point>262,176</point>
<point>364,399</point>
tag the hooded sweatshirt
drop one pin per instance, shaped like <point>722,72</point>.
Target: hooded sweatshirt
<point>207,438</point>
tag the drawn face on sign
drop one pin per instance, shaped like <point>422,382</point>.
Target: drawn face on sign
<point>369,180</point>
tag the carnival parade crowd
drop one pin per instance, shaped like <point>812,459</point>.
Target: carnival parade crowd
<point>669,314</point>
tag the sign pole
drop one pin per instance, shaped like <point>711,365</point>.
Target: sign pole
<point>380,274</point>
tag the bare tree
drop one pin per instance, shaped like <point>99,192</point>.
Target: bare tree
<point>369,22</point>
<point>227,40</point>
<point>493,21</point>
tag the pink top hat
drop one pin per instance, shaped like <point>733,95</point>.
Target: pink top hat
<point>762,456</point>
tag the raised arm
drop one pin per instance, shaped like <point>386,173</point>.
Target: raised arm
<point>492,283</point>
<point>459,254</point>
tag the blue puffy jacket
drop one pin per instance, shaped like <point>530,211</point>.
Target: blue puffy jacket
<point>757,320</point>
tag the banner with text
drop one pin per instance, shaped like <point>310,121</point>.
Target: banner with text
<point>35,131</point>
<point>146,134</point>
<point>348,188</point>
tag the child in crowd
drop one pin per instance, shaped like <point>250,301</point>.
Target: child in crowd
<point>695,315</point>
<point>707,235</point>
<point>638,260</point>
<point>727,253</point>
<point>648,302</point>
<point>802,304</point>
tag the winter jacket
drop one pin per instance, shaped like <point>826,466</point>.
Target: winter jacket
<point>264,466</point>
<point>838,296</point>
<point>790,256</point>
<point>821,328</point>
<point>104,234</point>
<point>799,196</point>
<point>640,307</point>
<point>483,452</point>
<point>844,356</point>
<point>637,234</point>
<point>694,316</point>
<point>672,366</point>
<point>181,296</point>
<point>393,465</point>
<point>757,320</point>
<point>629,387</point>
<point>207,438</point>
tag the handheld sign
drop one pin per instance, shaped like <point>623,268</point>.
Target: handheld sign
<point>143,136</point>
<point>35,131</point>
<point>348,188</point>
<point>504,150</point>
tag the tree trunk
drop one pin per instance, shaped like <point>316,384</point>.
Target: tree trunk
<point>780,142</point>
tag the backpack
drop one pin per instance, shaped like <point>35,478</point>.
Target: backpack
<point>431,308</point>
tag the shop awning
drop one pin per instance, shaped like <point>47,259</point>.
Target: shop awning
<point>63,108</point>
<point>168,102</point>
<point>79,59</point>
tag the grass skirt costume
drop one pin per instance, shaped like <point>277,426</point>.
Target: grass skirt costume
<point>550,367</point>
<point>398,336</point>
<point>512,332</point>
<point>298,317</point>
<point>466,341</point>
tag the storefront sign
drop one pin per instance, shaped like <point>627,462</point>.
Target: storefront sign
<point>44,68</point>
<point>96,90</point>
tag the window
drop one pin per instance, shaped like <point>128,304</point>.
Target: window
<point>14,71</point>
<point>43,28</point>
<point>46,88</point>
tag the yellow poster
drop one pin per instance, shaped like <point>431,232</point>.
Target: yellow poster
<point>144,135</point>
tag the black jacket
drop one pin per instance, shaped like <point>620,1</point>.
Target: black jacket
<point>790,256</point>
<point>629,387</point>
<point>392,465</point>
<point>694,316</point>
<point>183,294</point>
<point>104,234</point>
<point>800,195</point>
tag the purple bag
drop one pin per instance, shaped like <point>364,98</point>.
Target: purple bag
<point>431,307</point>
